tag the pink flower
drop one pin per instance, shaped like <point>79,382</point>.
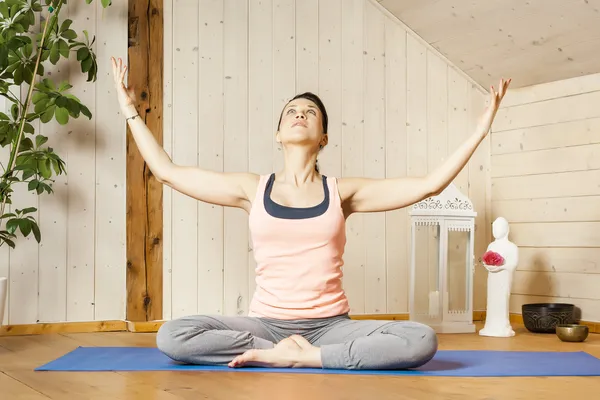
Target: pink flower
<point>493,258</point>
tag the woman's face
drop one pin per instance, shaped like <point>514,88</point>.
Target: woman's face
<point>301,123</point>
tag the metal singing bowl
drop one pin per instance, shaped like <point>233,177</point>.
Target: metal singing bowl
<point>572,332</point>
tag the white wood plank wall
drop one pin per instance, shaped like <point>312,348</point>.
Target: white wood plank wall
<point>396,108</point>
<point>77,273</point>
<point>546,182</point>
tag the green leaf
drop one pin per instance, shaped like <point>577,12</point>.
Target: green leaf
<point>63,48</point>
<point>25,227</point>
<point>85,111</point>
<point>28,128</point>
<point>12,225</point>
<point>38,96</point>
<point>82,53</point>
<point>26,144</point>
<point>36,232</point>
<point>86,64</point>
<point>41,105</point>
<point>65,25</point>
<point>44,169</point>
<point>54,54</point>
<point>28,174</point>
<point>48,114</point>
<point>106,3</point>
<point>74,107</point>
<point>62,115</point>
<point>65,85</point>
<point>18,75</point>
<point>61,101</point>
<point>40,140</point>
<point>33,184</point>
<point>69,34</point>
<point>14,111</point>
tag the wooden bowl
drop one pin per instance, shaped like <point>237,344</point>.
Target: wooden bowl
<point>572,332</point>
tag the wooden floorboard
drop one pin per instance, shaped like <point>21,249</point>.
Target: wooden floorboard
<point>19,355</point>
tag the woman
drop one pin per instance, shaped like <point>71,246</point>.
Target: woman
<point>299,313</point>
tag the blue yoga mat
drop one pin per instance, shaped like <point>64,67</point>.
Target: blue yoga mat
<point>445,363</point>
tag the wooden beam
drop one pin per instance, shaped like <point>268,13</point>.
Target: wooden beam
<point>63,327</point>
<point>144,193</point>
<point>153,326</point>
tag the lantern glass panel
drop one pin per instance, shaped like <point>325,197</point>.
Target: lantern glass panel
<point>427,301</point>
<point>458,270</point>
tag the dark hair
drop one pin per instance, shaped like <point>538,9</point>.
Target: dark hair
<point>315,99</point>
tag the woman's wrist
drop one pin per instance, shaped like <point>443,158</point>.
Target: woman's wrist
<point>129,111</point>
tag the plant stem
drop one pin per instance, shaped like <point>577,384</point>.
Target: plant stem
<point>13,154</point>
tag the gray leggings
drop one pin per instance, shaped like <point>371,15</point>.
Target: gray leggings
<point>344,343</point>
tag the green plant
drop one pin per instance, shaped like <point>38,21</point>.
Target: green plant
<point>23,53</point>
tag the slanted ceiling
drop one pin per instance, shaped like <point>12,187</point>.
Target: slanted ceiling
<point>531,41</point>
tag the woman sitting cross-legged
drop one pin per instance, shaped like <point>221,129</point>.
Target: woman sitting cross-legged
<point>299,312</point>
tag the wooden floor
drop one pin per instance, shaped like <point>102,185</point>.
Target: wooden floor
<point>21,354</point>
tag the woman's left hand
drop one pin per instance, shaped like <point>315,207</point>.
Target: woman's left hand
<point>496,97</point>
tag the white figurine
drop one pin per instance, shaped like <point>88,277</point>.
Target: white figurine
<point>499,282</point>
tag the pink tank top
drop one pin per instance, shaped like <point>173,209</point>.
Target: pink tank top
<point>298,254</point>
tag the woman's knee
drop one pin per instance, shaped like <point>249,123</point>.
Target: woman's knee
<point>173,337</point>
<point>169,339</point>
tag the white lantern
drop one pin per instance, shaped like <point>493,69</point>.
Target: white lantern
<point>442,262</point>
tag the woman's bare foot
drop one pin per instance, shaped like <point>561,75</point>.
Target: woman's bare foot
<point>291,352</point>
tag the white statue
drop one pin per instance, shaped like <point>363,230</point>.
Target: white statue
<point>502,257</point>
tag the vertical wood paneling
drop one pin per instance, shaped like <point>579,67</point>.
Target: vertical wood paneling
<point>284,66</point>
<point>437,135</point>
<point>393,112</point>
<point>478,166</point>
<point>77,272</point>
<point>210,154</point>
<point>5,250</point>
<point>396,222</point>
<point>417,140</point>
<point>24,259</point>
<point>330,83</point>
<point>236,280</point>
<point>80,223</point>
<point>374,141</point>
<point>352,145</point>
<point>307,45</point>
<point>168,135</point>
<point>459,128</point>
<point>23,303</point>
<point>458,132</point>
<point>54,209</point>
<point>106,279</point>
<point>437,111</point>
<point>185,152</point>
<point>395,109</point>
<point>260,105</point>
<point>416,114</point>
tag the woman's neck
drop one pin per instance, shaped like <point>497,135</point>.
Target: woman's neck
<point>299,166</point>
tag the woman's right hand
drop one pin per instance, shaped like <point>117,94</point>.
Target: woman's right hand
<point>125,95</point>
